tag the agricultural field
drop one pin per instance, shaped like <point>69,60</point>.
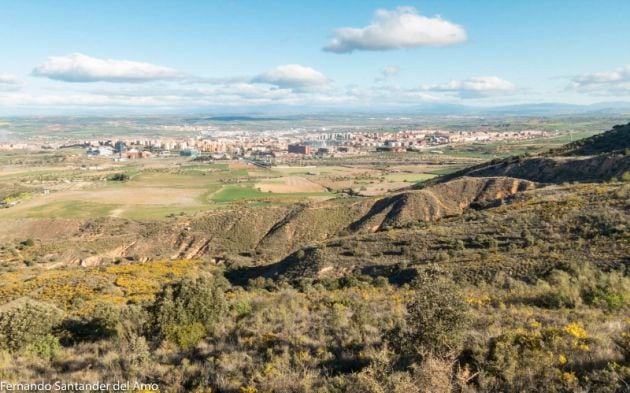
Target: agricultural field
<point>76,187</point>
<point>392,272</point>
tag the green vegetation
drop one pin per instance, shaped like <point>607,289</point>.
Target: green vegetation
<point>408,177</point>
<point>615,141</point>
<point>188,276</point>
<point>187,311</point>
<point>494,300</point>
<point>239,193</point>
<point>118,177</point>
<point>67,209</point>
<point>235,193</point>
<point>29,326</point>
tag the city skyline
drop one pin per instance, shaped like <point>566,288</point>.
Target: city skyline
<point>119,57</point>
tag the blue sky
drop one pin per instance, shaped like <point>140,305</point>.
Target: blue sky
<point>163,56</point>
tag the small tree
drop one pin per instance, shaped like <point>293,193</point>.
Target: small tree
<point>186,311</point>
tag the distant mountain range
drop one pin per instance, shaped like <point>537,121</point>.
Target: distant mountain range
<point>274,112</point>
<point>545,108</point>
<point>278,112</point>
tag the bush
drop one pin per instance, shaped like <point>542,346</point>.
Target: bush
<point>118,177</point>
<point>187,336</point>
<point>130,338</point>
<point>46,347</point>
<point>188,310</point>
<point>101,324</point>
<point>26,324</point>
<point>436,317</point>
<point>28,243</point>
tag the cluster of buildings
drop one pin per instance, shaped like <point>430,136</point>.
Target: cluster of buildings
<point>283,144</point>
<point>268,146</point>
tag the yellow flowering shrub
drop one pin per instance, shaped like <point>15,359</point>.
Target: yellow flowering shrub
<point>79,290</point>
<point>575,330</point>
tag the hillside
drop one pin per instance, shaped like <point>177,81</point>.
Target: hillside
<point>614,141</point>
<point>480,243</point>
<point>473,284</point>
<point>599,158</point>
<point>244,234</point>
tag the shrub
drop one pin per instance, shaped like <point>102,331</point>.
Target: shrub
<point>187,336</point>
<point>118,177</point>
<point>188,310</point>
<point>101,324</point>
<point>28,243</point>
<point>28,323</point>
<point>47,346</point>
<point>130,339</point>
<point>436,317</point>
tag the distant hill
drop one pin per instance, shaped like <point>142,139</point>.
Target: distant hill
<point>243,118</point>
<point>595,159</point>
<point>616,140</point>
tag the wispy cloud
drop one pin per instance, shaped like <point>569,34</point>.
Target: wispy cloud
<point>9,82</point>
<point>401,28</point>
<point>388,71</point>
<point>616,82</point>
<point>293,76</point>
<point>475,87</point>
<point>78,67</point>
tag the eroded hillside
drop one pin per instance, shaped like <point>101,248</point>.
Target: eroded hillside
<point>531,234</point>
<point>244,234</point>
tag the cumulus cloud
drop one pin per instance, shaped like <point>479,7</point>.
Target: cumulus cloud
<point>475,87</point>
<point>150,97</point>
<point>615,81</point>
<point>401,28</point>
<point>285,85</point>
<point>293,76</point>
<point>78,67</point>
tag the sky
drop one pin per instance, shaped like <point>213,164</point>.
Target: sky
<point>153,56</point>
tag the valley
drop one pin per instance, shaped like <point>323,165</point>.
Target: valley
<point>316,273</point>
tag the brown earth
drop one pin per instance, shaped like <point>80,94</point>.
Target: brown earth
<point>289,184</point>
<point>254,235</point>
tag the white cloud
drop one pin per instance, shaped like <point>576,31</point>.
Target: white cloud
<point>7,79</point>
<point>388,71</point>
<point>614,82</point>
<point>169,97</point>
<point>9,82</point>
<point>474,87</point>
<point>78,67</point>
<point>293,76</point>
<point>401,28</point>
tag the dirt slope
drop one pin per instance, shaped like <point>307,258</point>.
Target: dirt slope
<point>248,234</point>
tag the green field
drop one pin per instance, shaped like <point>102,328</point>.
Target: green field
<point>65,209</point>
<point>240,193</point>
<point>408,177</point>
